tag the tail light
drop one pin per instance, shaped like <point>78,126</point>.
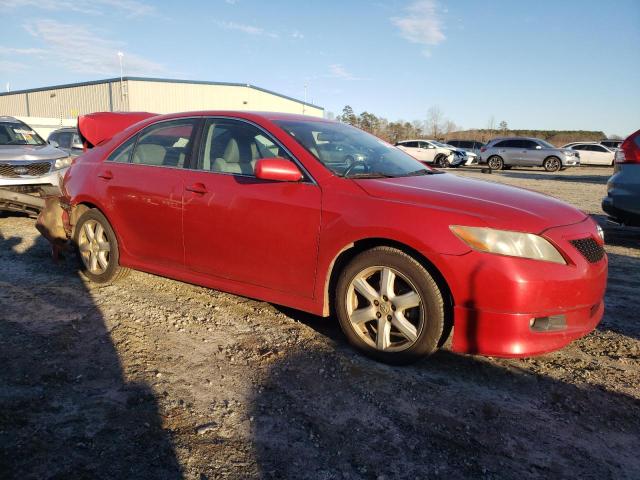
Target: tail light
<point>483,149</point>
<point>630,149</point>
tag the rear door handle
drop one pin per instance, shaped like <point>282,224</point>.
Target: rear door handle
<point>197,188</point>
<point>106,175</point>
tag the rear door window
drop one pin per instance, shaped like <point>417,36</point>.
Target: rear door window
<point>122,154</point>
<point>165,144</point>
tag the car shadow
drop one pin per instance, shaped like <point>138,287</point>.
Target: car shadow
<point>66,410</point>
<point>564,176</point>
<point>331,413</point>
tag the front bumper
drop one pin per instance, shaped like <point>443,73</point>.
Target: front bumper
<point>53,178</point>
<point>500,301</point>
<point>571,162</point>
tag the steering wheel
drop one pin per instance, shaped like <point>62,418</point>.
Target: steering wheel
<point>353,163</point>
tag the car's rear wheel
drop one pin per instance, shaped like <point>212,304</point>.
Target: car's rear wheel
<point>552,164</point>
<point>495,162</point>
<point>98,248</point>
<point>389,306</point>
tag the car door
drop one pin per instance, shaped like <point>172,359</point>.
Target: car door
<point>530,153</point>
<point>245,229</point>
<point>507,150</point>
<point>585,155</point>
<point>143,182</point>
<point>428,151</point>
<point>413,149</point>
<point>598,155</point>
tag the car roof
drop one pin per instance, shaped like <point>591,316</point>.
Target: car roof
<point>246,115</point>
<point>417,140</point>
<point>7,119</point>
<point>518,138</point>
<point>65,129</point>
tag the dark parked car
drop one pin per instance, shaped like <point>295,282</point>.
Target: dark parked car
<point>66,139</point>
<point>611,143</point>
<point>473,146</point>
<point>622,202</point>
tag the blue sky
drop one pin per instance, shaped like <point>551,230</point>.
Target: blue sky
<point>544,64</point>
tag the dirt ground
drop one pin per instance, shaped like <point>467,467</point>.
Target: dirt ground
<point>155,379</point>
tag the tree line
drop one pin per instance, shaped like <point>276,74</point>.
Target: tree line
<point>437,127</point>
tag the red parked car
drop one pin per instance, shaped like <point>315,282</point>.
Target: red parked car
<point>251,203</point>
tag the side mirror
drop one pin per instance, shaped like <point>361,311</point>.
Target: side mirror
<point>77,146</point>
<point>538,147</point>
<point>278,169</point>
<point>53,143</point>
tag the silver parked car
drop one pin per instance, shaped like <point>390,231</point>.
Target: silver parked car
<point>502,153</point>
<point>28,165</point>
<point>622,202</point>
<point>66,139</point>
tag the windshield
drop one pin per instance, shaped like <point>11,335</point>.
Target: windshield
<point>14,133</point>
<point>350,152</point>
<point>442,145</point>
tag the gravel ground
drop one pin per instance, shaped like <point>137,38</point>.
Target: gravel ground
<point>154,379</point>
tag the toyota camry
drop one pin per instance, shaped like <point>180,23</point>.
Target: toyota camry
<point>404,256</point>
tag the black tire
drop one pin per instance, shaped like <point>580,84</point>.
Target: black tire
<point>441,161</point>
<point>552,164</point>
<point>113,271</point>
<point>495,162</point>
<point>429,316</point>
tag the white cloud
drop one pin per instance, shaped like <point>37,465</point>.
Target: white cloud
<point>297,35</point>
<point>11,66</point>
<point>80,49</point>
<point>336,70</point>
<point>248,29</point>
<point>131,8</point>
<point>231,2</point>
<point>421,24</point>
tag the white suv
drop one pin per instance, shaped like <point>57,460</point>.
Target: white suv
<point>431,151</point>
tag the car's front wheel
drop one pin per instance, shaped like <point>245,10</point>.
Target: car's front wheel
<point>389,306</point>
<point>495,162</point>
<point>552,164</point>
<point>98,248</point>
<point>441,161</point>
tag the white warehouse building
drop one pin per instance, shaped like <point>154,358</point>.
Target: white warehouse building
<point>48,108</point>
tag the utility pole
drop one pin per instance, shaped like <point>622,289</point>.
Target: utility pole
<point>120,55</point>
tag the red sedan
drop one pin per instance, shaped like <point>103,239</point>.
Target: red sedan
<point>323,217</point>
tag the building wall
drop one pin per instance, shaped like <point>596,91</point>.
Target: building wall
<point>151,96</point>
<point>165,97</point>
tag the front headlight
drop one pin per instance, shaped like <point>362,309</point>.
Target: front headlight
<point>62,163</point>
<point>513,244</point>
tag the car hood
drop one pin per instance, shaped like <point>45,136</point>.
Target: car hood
<point>30,152</point>
<point>495,205</point>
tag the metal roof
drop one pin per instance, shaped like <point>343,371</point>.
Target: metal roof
<point>158,80</point>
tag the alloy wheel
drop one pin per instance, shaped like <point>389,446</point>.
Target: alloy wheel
<point>94,247</point>
<point>385,309</point>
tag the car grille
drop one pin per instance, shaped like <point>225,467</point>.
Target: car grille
<point>24,169</point>
<point>589,248</point>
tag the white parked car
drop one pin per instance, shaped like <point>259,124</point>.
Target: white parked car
<point>431,151</point>
<point>592,153</point>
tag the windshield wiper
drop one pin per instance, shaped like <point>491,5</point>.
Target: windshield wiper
<point>422,171</point>
<point>369,175</point>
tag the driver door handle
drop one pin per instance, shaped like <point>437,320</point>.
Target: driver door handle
<point>198,188</point>
<point>106,175</point>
